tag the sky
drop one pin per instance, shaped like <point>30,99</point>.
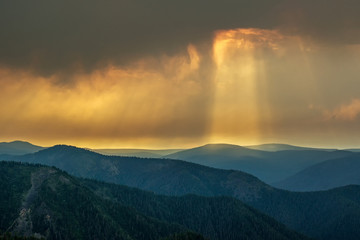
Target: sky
<point>175,74</point>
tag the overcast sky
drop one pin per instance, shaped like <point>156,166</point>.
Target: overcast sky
<point>138,73</point>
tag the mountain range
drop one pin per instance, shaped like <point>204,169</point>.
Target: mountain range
<point>275,147</point>
<point>144,153</point>
<point>325,175</point>
<point>18,148</point>
<point>272,163</point>
<point>44,202</point>
<point>268,166</point>
<point>331,214</point>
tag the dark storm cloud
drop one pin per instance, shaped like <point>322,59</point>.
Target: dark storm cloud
<point>49,36</point>
<point>329,21</point>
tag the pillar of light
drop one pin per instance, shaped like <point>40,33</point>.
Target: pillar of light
<point>237,56</point>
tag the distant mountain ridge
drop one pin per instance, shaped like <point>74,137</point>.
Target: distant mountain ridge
<point>146,173</point>
<point>18,148</point>
<point>145,153</point>
<point>353,150</point>
<point>325,175</point>
<point>22,147</point>
<point>322,215</point>
<point>274,147</point>
<point>268,166</point>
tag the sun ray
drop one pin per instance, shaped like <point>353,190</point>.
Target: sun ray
<point>236,55</point>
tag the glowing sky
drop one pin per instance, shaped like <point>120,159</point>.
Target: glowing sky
<point>162,74</point>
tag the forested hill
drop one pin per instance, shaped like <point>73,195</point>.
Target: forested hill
<point>45,202</point>
<point>329,215</point>
<point>164,176</point>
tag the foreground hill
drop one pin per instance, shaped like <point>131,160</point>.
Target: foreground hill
<point>324,215</point>
<point>45,202</point>
<point>18,148</point>
<point>215,217</point>
<point>326,175</point>
<point>268,166</point>
<point>332,214</point>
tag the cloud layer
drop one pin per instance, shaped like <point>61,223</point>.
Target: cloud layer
<point>346,112</point>
<point>64,36</point>
<point>179,73</point>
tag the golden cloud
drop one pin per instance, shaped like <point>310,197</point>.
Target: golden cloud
<point>345,112</point>
<point>250,86</point>
<point>152,98</point>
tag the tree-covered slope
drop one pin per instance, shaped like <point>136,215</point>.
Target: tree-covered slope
<point>47,203</point>
<point>214,217</point>
<point>164,176</point>
<point>53,205</point>
<point>331,218</point>
<point>330,215</point>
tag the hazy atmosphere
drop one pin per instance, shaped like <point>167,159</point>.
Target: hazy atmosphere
<point>162,74</point>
